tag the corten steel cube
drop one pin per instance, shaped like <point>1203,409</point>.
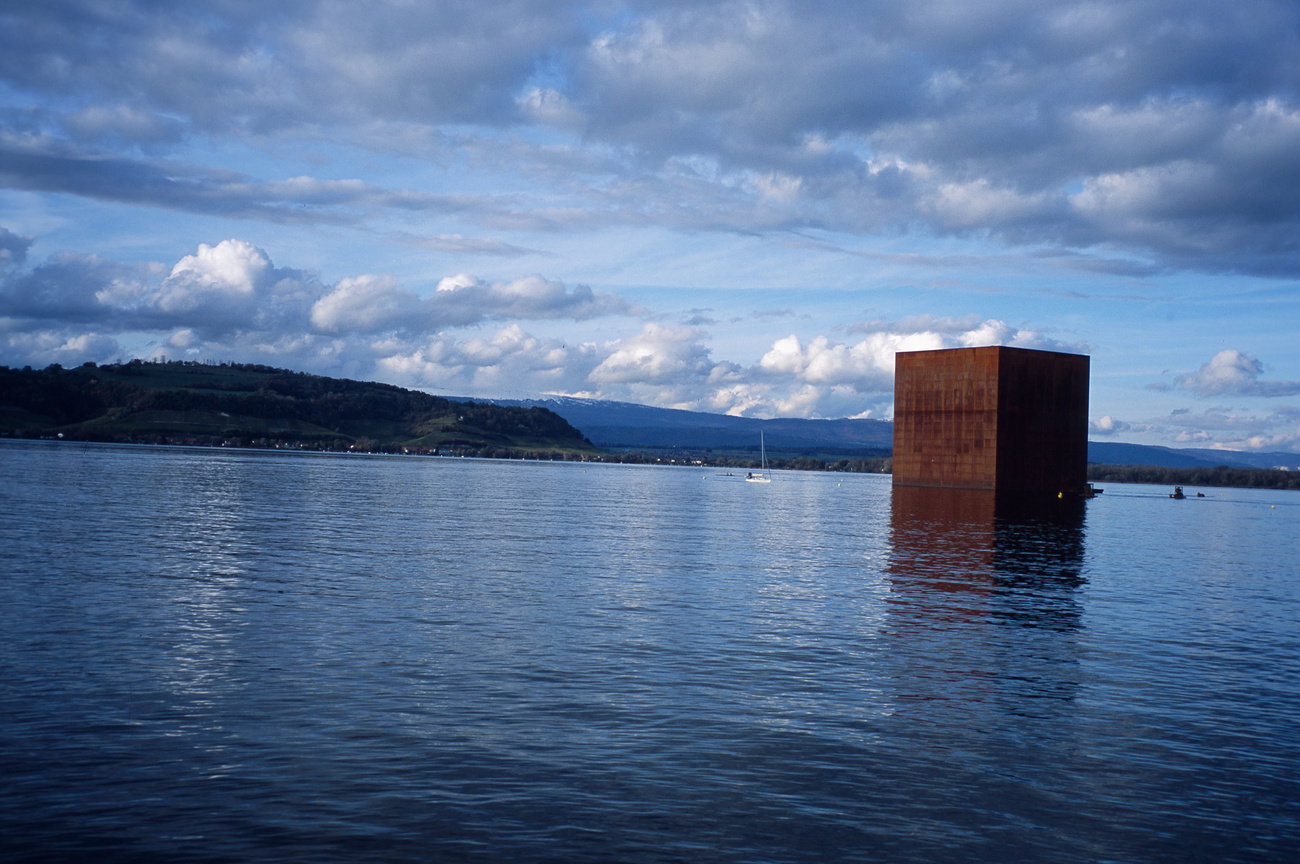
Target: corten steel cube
<point>1006,419</point>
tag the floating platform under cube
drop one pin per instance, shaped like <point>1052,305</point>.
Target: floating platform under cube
<point>1006,419</point>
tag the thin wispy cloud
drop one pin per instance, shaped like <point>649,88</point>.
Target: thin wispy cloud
<point>38,166</point>
<point>470,246</point>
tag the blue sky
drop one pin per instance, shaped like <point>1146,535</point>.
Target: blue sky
<point>732,207</point>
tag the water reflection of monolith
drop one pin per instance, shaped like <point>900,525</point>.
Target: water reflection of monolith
<point>984,588</point>
<point>941,545</point>
<point>1005,419</point>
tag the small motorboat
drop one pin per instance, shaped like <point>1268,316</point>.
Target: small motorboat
<point>1178,493</point>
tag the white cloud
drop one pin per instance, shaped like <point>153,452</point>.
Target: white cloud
<point>550,107</point>
<point>121,123</point>
<point>467,300</point>
<point>456,283</point>
<point>979,204</point>
<point>1107,425</point>
<point>868,365</point>
<point>1232,373</point>
<point>70,288</point>
<point>658,355</point>
<point>182,340</point>
<point>372,304</point>
<point>1278,441</point>
<point>222,281</point>
<point>365,304</point>
<point>511,363</point>
<point>40,348</point>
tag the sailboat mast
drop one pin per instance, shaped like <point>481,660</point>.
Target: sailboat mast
<point>763,475</point>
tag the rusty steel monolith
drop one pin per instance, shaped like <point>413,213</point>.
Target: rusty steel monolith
<point>1007,419</point>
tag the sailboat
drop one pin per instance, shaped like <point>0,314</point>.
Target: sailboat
<point>763,476</point>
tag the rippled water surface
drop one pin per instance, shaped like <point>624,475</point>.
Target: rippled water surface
<point>245,656</point>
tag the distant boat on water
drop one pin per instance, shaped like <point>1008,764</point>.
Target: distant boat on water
<point>764,476</point>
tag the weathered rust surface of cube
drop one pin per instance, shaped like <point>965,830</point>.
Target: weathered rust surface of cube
<point>1006,419</point>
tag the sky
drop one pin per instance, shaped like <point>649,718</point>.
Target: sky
<point>742,208</point>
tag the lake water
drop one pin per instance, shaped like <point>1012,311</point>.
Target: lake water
<point>215,655</point>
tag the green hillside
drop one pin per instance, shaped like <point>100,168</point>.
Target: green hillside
<point>249,405</point>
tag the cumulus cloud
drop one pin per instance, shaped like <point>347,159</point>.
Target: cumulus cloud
<point>40,348</point>
<point>658,355</point>
<point>868,365</point>
<point>465,300</point>
<point>364,304</point>
<point>217,281</point>
<point>1107,425</point>
<point>69,287</point>
<point>1232,373</point>
<point>496,365</point>
<point>220,289</point>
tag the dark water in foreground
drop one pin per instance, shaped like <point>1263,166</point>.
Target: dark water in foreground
<point>248,656</point>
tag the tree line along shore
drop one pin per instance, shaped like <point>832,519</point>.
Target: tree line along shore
<point>1220,475</point>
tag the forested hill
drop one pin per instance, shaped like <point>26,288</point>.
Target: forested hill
<point>251,405</point>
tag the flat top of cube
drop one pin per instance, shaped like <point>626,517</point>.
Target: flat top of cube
<point>991,349</point>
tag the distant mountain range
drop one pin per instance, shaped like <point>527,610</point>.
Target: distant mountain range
<point>629,426</point>
<point>1113,453</point>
